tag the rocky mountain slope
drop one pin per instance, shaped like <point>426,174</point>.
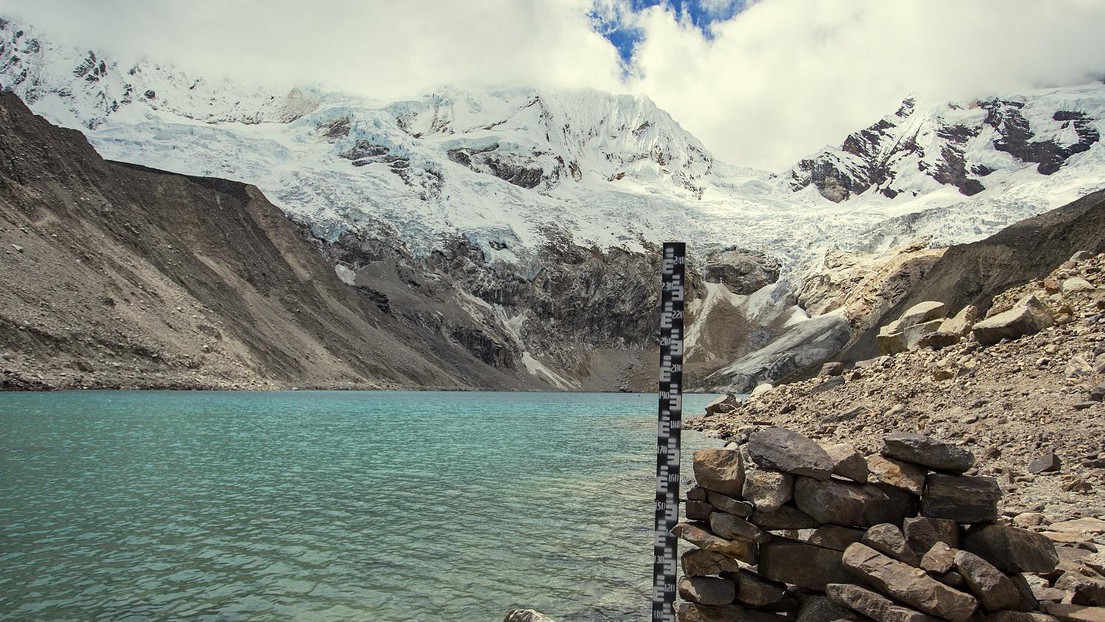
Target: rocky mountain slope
<point>507,212</point>
<point>1010,403</point>
<point>121,276</point>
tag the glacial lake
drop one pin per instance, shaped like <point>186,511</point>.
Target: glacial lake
<point>390,506</point>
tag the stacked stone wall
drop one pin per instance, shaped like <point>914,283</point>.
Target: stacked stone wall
<point>783,528</point>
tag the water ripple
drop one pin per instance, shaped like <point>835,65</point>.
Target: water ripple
<point>326,506</point>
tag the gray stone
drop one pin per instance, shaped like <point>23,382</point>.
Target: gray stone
<point>852,505</point>
<point>922,532</point>
<point>720,470</point>
<point>927,452</point>
<point>1028,599</point>
<point>834,537</point>
<point>696,493</point>
<point>703,563</point>
<point>961,498</point>
<point>707,590</point>
<point>1044,463</point>
<point>691,612</point>
<point>1029,316</point>
<point>887,539</point>
<point>827,385</point>
<point>1075,613</point>
<point>801,564</point>
<point>1097,394</point>
<point>729,505</point>
<point>908,585</point>
<point>526,615</point>
<point>993,589</point>
<point>922,312</point>
<point>741,550</point>
<point>732,528</point>
<point>818,608</point>
<point>873,605</point>
<point>1012,549</point>
<point>893,339</point>
<point>832,368</point>
<point>939,560</point>
<point>698,510</point>
<point>724,404</point>
<point>1020,616</point>
<point>897,473</point>
<point>790,452</point>
<point>1075,284</point>
<point>756,591</point>
<point>847,462</point>
<point>786,517</point>
<point>1084,589</point>
<point>768,490</point>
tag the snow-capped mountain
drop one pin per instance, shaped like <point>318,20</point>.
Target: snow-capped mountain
<point>512,171</point>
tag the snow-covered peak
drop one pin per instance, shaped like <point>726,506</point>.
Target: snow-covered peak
<point>971,146</point>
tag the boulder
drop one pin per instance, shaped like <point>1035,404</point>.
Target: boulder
<point>927,452</point>
<point>951,330</point>
<point>818,608</point>
<point>729,505</point>
<point>724,404</point>
<point>741,271</point>
<point>852,505</point>
<point>939,560</point>
<point>707,590</point>
<point>756,591</point>
<point>887,539</point>
<point>922,532</point>
<point>908,585</point>
<point>1076,284</point>
<point>892,339</point>
<point>993,589</point>
<point>768,490</point>
<point>801,564</point>
<point>1028,316</point>
<point>720,470</point>
<point>790,452</point>
<point>873,605</point>
<point>698,510</point>
<point>1075,613</point>
<point>691,612</point>
<point>703,563</point>
<point>741,550</point>
<point>897,473</point>
<point>832,368</point>
<point>1084,589</point>
<point>922,312</point>
<point>786,517</point>
<point>834,537</point>
<point>960,498</point>
<point>1020,616</point>
<point>526,615</point>
<point>1044,463</point>
<point>696,493</point>
<point>1012,549</point>
<point>848,462</point>
<point>732,528</point>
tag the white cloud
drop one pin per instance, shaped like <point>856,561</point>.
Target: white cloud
<point>786,77</point>
<point>382,48</point>
<point>774,83</point>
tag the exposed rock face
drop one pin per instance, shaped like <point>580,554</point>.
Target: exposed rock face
<point>741,271</point>
<point>937,142</point>
<point>972,274</point>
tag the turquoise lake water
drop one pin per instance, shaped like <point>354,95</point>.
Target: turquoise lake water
<point>130,506</point>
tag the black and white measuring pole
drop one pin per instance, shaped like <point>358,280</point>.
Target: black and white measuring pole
<point>668,432</point>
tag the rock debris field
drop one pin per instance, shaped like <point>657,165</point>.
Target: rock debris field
<point>1029,408</point>
<point>1003,416</point>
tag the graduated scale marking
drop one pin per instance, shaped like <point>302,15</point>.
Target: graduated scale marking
<point>669,429</point>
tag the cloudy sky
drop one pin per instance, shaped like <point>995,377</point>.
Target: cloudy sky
<point>760,82</point>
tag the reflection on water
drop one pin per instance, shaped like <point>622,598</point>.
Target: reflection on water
<point>327,505</point>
